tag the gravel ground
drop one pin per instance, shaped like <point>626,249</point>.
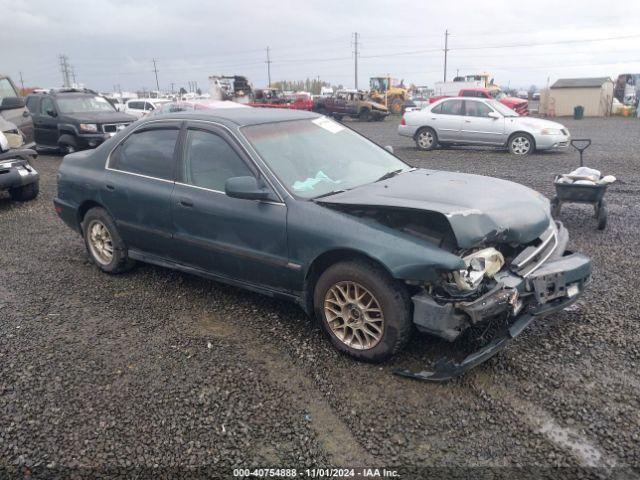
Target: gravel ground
<point>156,368</point>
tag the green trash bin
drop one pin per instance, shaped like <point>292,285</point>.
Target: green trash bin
<point>578,112</point>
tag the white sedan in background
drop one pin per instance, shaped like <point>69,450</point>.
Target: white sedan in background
<point>476,121</point>
<point>141,107</point>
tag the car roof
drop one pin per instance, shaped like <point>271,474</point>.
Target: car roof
<point>242,116</point>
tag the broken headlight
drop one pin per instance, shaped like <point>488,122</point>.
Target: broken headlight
<point>481,264</point>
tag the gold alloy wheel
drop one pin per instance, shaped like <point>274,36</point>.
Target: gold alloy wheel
<point>100,242</point>
<point>354,315</point>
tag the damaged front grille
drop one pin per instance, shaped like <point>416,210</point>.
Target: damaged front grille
<point>532,257</point>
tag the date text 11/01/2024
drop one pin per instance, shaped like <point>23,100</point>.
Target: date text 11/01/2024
<point>316,472</point>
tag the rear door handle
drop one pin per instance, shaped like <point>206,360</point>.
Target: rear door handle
<point>110,187</point>
<point>467,121</point>
<point>186,202</point>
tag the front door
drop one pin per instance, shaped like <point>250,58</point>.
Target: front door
<point>238,239</point>
<point>46,123</point>
<point>479,127</point>
<point>138,185</point>
<point>446,118</point>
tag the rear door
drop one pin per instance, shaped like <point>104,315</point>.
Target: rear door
<point>139,181</point>
<point>479,127</point>
<point>446,119</point>
<point>239,239</point>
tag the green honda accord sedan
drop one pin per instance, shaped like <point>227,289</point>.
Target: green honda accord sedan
<point>297,206</point>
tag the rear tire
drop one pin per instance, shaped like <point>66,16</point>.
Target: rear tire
<point>25,193</point>
<point>363,310</point>
<point>426,139</point>
<point>103,242</point>
<point>365,115</point>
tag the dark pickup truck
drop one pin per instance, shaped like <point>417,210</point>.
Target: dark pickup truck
<point>351,103</point>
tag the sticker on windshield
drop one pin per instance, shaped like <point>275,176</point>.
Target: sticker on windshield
<point>327,124</point>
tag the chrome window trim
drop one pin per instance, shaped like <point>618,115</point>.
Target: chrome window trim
<point>181,120</point>
<point>140,175</point>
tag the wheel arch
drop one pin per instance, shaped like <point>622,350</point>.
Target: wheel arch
<point>325,260</point>
<point>425,127</point>
<point>522,132</point>
<point>84,208</point>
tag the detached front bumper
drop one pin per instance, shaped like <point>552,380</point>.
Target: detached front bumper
<point>554,285</point>
<point>17,173</point>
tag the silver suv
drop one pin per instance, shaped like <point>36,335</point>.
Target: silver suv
<point>476,121</point>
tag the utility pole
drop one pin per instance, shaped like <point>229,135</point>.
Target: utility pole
<point>21,83</point>
<point>446,50</point>
<point>73,75</point>
<point>355,51</point>
<point>155,70</point>
<point>64,69</point>
<point>172,87</point>
<point>268,62</point>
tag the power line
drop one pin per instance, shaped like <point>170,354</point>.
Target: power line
<point>268,69</point>
<point>446,51</point>
<point>64,69</point>
<point>355,56</point>
<point>155,70</point>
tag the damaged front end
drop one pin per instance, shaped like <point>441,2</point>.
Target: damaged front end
<point>505,285</point>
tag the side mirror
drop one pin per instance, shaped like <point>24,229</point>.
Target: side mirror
<point>494,115</point>
<point>52,113</point>
<point>9,103</point>
<point>246,188</point>
<point>388,148</point>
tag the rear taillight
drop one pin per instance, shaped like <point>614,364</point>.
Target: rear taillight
<point>402,122</point>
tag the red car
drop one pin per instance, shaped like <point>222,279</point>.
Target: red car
<point>520,106</point>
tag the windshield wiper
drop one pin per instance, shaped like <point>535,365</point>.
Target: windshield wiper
<point>390,174</point>
<point>333,192</point>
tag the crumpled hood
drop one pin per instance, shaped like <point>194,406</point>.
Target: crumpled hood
<point>479,209</point>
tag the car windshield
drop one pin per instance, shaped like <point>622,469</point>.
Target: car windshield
<point>84,104</point>
<point>503,109</point>
<point>497,94</point>
<point>316,157</point>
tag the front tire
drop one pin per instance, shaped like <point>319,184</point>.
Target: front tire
<point>521,144</point>
<point>103,242</point>
<point>25,193</point>
<point>426,139</point>
<point>364,312</point>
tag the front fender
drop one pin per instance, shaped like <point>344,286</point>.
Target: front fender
<point>314,230</point>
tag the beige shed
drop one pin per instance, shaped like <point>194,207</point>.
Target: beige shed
<point>594,94</point>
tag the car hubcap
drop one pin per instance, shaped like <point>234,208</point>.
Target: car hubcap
<point>354,315</point>
<point>520,145</point>
<point>425,139</point>
<point>100,242</point>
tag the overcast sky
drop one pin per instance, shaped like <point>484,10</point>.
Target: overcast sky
<point>111,42</point>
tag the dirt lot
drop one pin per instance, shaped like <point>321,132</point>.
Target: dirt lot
<point>159,368</point>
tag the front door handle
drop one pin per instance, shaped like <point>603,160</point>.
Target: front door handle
<point>467,121</point>
<point>110,187</point>
<point>186,202</point>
